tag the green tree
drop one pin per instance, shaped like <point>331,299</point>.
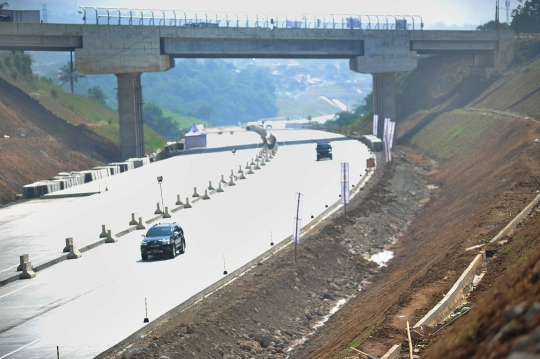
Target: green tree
<point>526,17</point>
<point>23,63</point>
<point>154,118</point>
<point>346,118</point>
<point>369,103</point>
<point>492,25</point>
<point>3,4</point>
<point>67,73</point>
<point>97,94</point>
<point>204,112</point>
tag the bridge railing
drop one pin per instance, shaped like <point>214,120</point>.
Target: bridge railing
<point>154,17</point>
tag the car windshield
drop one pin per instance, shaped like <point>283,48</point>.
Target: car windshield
<point>159,231</point>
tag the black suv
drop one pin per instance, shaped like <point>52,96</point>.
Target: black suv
<point>324,150</point>
<point>163,238</point>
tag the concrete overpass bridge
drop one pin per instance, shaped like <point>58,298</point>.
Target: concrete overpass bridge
<point>129,42</point>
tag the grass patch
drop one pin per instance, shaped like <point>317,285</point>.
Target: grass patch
<point>454,132</point>
<point>356,342</point>
<point>79,109</point>
<point>183,122</point>
<point>474,322</point>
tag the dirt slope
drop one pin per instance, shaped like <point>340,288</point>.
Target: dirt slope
<point>484,168</point>
<point>41,144</point>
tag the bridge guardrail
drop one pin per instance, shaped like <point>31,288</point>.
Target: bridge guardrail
<point>155,17</point>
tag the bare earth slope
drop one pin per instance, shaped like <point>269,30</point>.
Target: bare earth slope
<point>482,167</point>
<point>41,144</point>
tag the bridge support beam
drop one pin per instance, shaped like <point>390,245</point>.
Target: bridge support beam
<point>131,115</point>
<point>384,98</point>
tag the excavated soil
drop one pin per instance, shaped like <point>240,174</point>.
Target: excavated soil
<point>432,212</point>
<point>277,305</point>
<point>36,145</point>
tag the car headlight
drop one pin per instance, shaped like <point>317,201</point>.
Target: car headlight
<point>165,241</point>
<point>143,243</point>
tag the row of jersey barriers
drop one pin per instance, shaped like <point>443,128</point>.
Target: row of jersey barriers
<point>26,265</point>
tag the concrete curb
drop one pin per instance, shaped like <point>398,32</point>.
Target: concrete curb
<point>393,352</point>
<point>82,194</point>
<point>511,227</point>
<point>226,280</point>
<point>446,305</point>
<point>195,299</point>
<point>454,295</point>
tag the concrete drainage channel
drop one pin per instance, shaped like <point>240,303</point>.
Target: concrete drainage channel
<point>230,278</point>
<point>457,294</point>
<point>28,271</point>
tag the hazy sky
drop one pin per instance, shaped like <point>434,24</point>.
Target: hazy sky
<point>449,12</point>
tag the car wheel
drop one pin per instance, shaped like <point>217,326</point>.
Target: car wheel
<point>183,247</point>
<point>144,256</point>
<point>172,254</point>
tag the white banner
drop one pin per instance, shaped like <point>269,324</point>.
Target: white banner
<point>297,227</point>
<point>385,132</point>
<point>375,125</point>
<point>345,193</point>
<point>392,131</point>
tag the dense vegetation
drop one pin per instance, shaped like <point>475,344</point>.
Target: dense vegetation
<point>526,17</point>
<point>213,90</point>
<point>159,122</point>
<point>76,109</point>
<point>359,115</point>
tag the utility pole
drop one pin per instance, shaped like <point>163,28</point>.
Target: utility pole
<point>497,15</point>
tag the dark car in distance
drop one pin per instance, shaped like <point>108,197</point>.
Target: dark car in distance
<point>163,238</point>
<point>324,150</point>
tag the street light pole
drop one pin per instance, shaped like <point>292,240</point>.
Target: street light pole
<point>160,179</point>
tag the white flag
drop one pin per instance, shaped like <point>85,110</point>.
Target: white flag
<point>375,125</point>
<point>392,131</point>
<point>385,132</point>
<point>297,227</point>
<point>345,193</point>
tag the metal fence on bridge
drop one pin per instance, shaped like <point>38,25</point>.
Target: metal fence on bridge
<point>152,17</point>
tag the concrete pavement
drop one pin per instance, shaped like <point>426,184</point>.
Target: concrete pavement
<point>89,304</point>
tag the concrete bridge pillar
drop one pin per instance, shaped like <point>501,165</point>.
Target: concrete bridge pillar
<point>130,111</point>
<point>384,98</point>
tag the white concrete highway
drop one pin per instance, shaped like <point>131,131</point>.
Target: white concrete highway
<point>87,305</point>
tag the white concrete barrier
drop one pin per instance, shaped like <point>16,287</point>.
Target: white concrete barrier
<point>178,201</point>
<point>166,214</point>
<point>103,233</point>
<point>140,225</point>
<point>73,252</point>
<point>24,258</point>
<point>28,271</point>
<point>455,295</point>
<point>511,227</point>
<point>393,352</point>
<point>206,196</point>
<point>111,238</point>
